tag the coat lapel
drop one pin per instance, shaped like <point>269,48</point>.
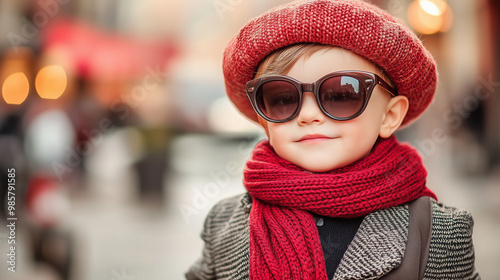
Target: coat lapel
<point>378,246</point>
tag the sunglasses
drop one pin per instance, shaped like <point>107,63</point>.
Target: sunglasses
<point>340,95</point>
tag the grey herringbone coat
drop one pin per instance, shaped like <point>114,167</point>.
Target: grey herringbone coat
<point>377,248</point>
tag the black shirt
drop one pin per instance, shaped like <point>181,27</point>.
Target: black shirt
<point>335,235</point>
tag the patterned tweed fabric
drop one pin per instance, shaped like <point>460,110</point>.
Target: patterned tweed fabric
<point>351,24</point>
<point>377,248</point>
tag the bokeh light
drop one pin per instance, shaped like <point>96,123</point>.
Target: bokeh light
<point>15,88</point>
<point>430,16</point>
<point>51,81</point>
<point>433,7</point>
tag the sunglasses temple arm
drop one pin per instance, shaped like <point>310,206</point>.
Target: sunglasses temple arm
<point>387,87</point>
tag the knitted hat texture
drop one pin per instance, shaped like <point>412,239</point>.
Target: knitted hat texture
<point>351,24</point>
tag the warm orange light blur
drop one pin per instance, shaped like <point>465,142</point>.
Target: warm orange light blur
<point>433,7</point>
<point>51,82</point>
<point>447,20</point>
<point>429,16</point>
<point>15,88</point>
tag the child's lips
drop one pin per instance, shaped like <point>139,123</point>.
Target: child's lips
<point>314,138</point>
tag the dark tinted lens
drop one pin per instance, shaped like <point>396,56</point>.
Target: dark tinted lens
<point>342,96</point>
<point>278,100</point>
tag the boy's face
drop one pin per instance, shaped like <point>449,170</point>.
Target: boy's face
<point>312,140</point>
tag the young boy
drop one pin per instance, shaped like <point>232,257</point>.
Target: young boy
<point>327,196</point>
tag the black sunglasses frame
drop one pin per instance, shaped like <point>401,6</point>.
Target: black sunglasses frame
<point>368,80</point>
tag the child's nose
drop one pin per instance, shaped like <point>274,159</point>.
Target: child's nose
<point>310,111</point>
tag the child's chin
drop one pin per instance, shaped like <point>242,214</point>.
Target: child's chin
<point>318,167</point>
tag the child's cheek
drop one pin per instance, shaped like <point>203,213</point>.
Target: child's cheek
<point>264,125</point>
<point>278,132</point>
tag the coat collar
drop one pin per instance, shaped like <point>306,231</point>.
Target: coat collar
<point>378,246</point>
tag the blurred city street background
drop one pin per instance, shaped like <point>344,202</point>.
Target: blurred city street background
<point>115,126</point>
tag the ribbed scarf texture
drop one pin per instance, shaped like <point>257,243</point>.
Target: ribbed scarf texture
<point>284,240</point>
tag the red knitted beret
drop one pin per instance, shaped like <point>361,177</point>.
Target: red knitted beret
<point>351,24</point>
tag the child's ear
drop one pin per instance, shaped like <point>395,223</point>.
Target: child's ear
<point>394,115</point>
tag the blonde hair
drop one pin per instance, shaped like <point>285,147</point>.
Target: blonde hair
<point>282,60</point>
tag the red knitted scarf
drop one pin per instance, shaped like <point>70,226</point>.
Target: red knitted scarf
<point>284,241</point>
